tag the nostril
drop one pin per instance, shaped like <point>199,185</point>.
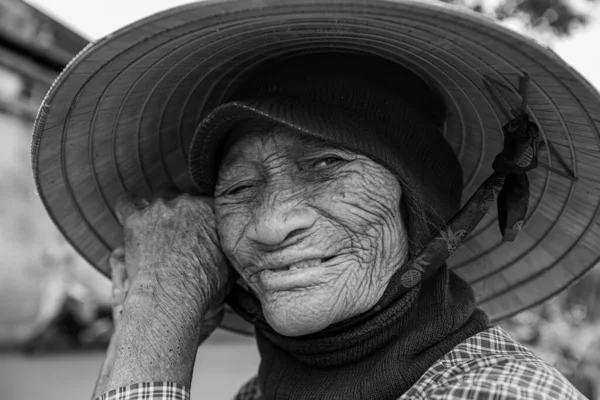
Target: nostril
<point>274,226</point>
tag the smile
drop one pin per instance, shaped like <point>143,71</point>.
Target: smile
<point>297,275</point>
<point>302,264</point>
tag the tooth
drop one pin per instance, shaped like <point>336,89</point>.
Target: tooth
<point>304,264</point>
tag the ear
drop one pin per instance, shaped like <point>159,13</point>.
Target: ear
<point>120,281</point>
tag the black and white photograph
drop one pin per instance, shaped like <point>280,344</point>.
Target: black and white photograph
<point>300,199</point>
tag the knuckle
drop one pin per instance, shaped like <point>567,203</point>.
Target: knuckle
<point>158,203</point>
<point>118,254</point>
<point>116,259</point>
<point>129,235</point>
<point>132,221</point>
<point>122,209</point>
<point>128,206</point>
<point>176,202</point>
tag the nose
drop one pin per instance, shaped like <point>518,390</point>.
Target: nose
<point>273,225</point>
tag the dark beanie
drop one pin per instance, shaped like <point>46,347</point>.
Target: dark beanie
<point>363,103</point>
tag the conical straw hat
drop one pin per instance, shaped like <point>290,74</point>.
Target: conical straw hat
<point>121,116</point>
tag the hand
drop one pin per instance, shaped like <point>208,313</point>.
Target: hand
<point>120,288</point>
<point>172,251</point>
<point>170,276</point>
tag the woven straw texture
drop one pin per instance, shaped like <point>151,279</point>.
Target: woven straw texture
<point>121,116</point>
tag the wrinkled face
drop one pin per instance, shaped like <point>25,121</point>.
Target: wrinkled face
<point>315,231</point>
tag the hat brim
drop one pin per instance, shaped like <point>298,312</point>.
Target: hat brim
<point>121,116</point>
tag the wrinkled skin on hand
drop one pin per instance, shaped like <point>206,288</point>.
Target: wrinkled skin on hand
<point>172,251</point>
<point>284,200</point>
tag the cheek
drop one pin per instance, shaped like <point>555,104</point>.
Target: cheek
<point>363,209</point>
<point>361,200</point>
<point>231,224</point>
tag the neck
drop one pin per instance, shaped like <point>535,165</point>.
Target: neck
<point>378,356</point>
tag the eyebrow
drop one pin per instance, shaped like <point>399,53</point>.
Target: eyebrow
<point>311,143</point>
<point>229,161</point>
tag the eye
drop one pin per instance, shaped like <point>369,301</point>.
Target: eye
<point>327,161</point>
<point>239,189</point>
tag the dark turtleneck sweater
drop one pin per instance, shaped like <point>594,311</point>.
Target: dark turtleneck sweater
<point>379,355</point>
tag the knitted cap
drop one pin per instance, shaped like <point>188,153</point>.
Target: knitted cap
<point>362,103</point>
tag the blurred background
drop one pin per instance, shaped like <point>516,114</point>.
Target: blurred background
<point>55,309</point>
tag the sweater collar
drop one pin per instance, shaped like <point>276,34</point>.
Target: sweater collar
<point>387,349</point>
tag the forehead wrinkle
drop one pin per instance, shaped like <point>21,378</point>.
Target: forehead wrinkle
<point>317,146</point>
<point>282,147</point>
<point>231,161</point>
<point>265,149</point>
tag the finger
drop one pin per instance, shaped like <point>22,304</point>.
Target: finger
<point>129,204</point>
<point>117,256</point>
<point>117,313</point>
<point>120,282</point>
<point>187,198</point>
<point>119,276</point>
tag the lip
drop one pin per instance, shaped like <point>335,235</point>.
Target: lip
<point>280,279</point>
<point>276,261</point>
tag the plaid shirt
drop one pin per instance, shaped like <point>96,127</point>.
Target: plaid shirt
<point>148,391</point>
<point>489,365</point>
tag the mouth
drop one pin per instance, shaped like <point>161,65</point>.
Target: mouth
<point>305,274</point>
<point>305,264</point>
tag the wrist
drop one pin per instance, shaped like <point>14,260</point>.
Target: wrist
<point>173,284</point>
<point>156,340</point>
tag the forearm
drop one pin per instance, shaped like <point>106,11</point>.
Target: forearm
<point>106,370</point>
<point>155,341</point>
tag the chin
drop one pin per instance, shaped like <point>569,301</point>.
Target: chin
<point>296,321</point>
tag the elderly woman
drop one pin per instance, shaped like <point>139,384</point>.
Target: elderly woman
<point>326,197</point>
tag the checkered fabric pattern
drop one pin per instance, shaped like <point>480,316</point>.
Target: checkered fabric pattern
<point>148,391</point>
<point>487,366</point>
<point>250,391</point>
<point>491,365</point>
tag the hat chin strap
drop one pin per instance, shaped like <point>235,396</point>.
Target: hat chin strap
<point>508,185</point>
